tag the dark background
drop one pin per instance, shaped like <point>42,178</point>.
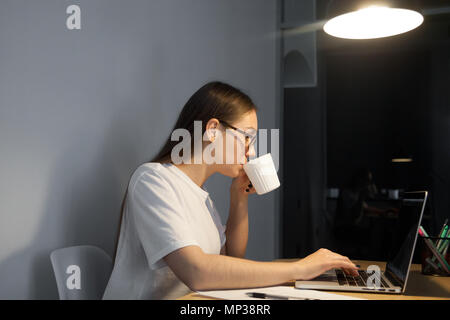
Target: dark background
<point>376,105</point>
<point>374,98</point>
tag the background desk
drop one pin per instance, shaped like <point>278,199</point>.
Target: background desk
<point>419,287</point>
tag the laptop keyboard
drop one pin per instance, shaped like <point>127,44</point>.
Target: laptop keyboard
<point>357,281</point>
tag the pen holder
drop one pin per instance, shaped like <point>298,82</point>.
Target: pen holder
<point>429,268</point>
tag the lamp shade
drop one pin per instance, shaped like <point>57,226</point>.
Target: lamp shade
<point>371,19</point>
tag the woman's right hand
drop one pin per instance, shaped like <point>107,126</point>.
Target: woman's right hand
<point>321,261</point>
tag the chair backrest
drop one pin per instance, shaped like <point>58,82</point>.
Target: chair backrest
<point>81,272</point>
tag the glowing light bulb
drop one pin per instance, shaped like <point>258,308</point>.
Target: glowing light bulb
<point>373,22</point>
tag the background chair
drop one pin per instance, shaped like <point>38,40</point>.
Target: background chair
<point>87,266</point>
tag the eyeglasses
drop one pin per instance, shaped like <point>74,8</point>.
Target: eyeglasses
<point>250,139</point>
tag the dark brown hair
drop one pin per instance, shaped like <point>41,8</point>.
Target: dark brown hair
<point>213,100</point>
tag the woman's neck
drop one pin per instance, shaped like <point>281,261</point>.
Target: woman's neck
<point>198,173</point>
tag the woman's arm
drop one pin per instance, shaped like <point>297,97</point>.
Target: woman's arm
<point>237,229</point>
<point>201,271</point>
<point>237,225</point>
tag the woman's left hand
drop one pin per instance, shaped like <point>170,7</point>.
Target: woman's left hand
<point>241,186</point>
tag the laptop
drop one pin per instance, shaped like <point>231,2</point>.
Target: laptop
<point>394,278</point>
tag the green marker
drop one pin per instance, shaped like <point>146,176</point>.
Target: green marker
<point>445,245</point>
<point>442,234</point>
<point>441,243</point>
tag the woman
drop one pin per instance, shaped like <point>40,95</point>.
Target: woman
<point>171,238</point>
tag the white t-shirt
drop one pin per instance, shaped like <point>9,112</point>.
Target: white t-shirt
<point>164,211</point>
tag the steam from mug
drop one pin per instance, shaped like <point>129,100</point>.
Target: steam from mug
<point>262,174</point>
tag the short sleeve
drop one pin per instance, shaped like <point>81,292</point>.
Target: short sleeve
<point>217,221</point>
<point>159,218</point>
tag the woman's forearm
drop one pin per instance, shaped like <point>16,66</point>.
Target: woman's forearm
<point>203,271</point>
<point>237,229</point>
<point>224,272</point>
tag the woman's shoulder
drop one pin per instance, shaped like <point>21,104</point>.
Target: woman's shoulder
<point>150,184</point>
<point>149,166</point>
<point>148,170</point>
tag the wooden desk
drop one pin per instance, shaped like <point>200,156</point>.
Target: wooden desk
<point>419,286</point>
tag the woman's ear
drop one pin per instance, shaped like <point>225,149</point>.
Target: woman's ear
<point>212,128</point>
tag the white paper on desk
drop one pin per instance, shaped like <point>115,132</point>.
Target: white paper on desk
<point>241,294</point>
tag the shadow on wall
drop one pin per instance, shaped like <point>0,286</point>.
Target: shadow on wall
<point>81,209</point>
<point>297,71</point>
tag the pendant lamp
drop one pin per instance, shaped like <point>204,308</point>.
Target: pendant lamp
<point>371,19</point>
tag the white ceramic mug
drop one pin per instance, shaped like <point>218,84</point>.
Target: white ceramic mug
<point>262,174</point>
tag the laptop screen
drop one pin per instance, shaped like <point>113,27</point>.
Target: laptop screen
<point>410,217</point>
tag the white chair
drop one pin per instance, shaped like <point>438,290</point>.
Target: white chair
<point>81,272</point>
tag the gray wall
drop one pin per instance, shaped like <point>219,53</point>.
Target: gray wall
<point>81,109</point>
